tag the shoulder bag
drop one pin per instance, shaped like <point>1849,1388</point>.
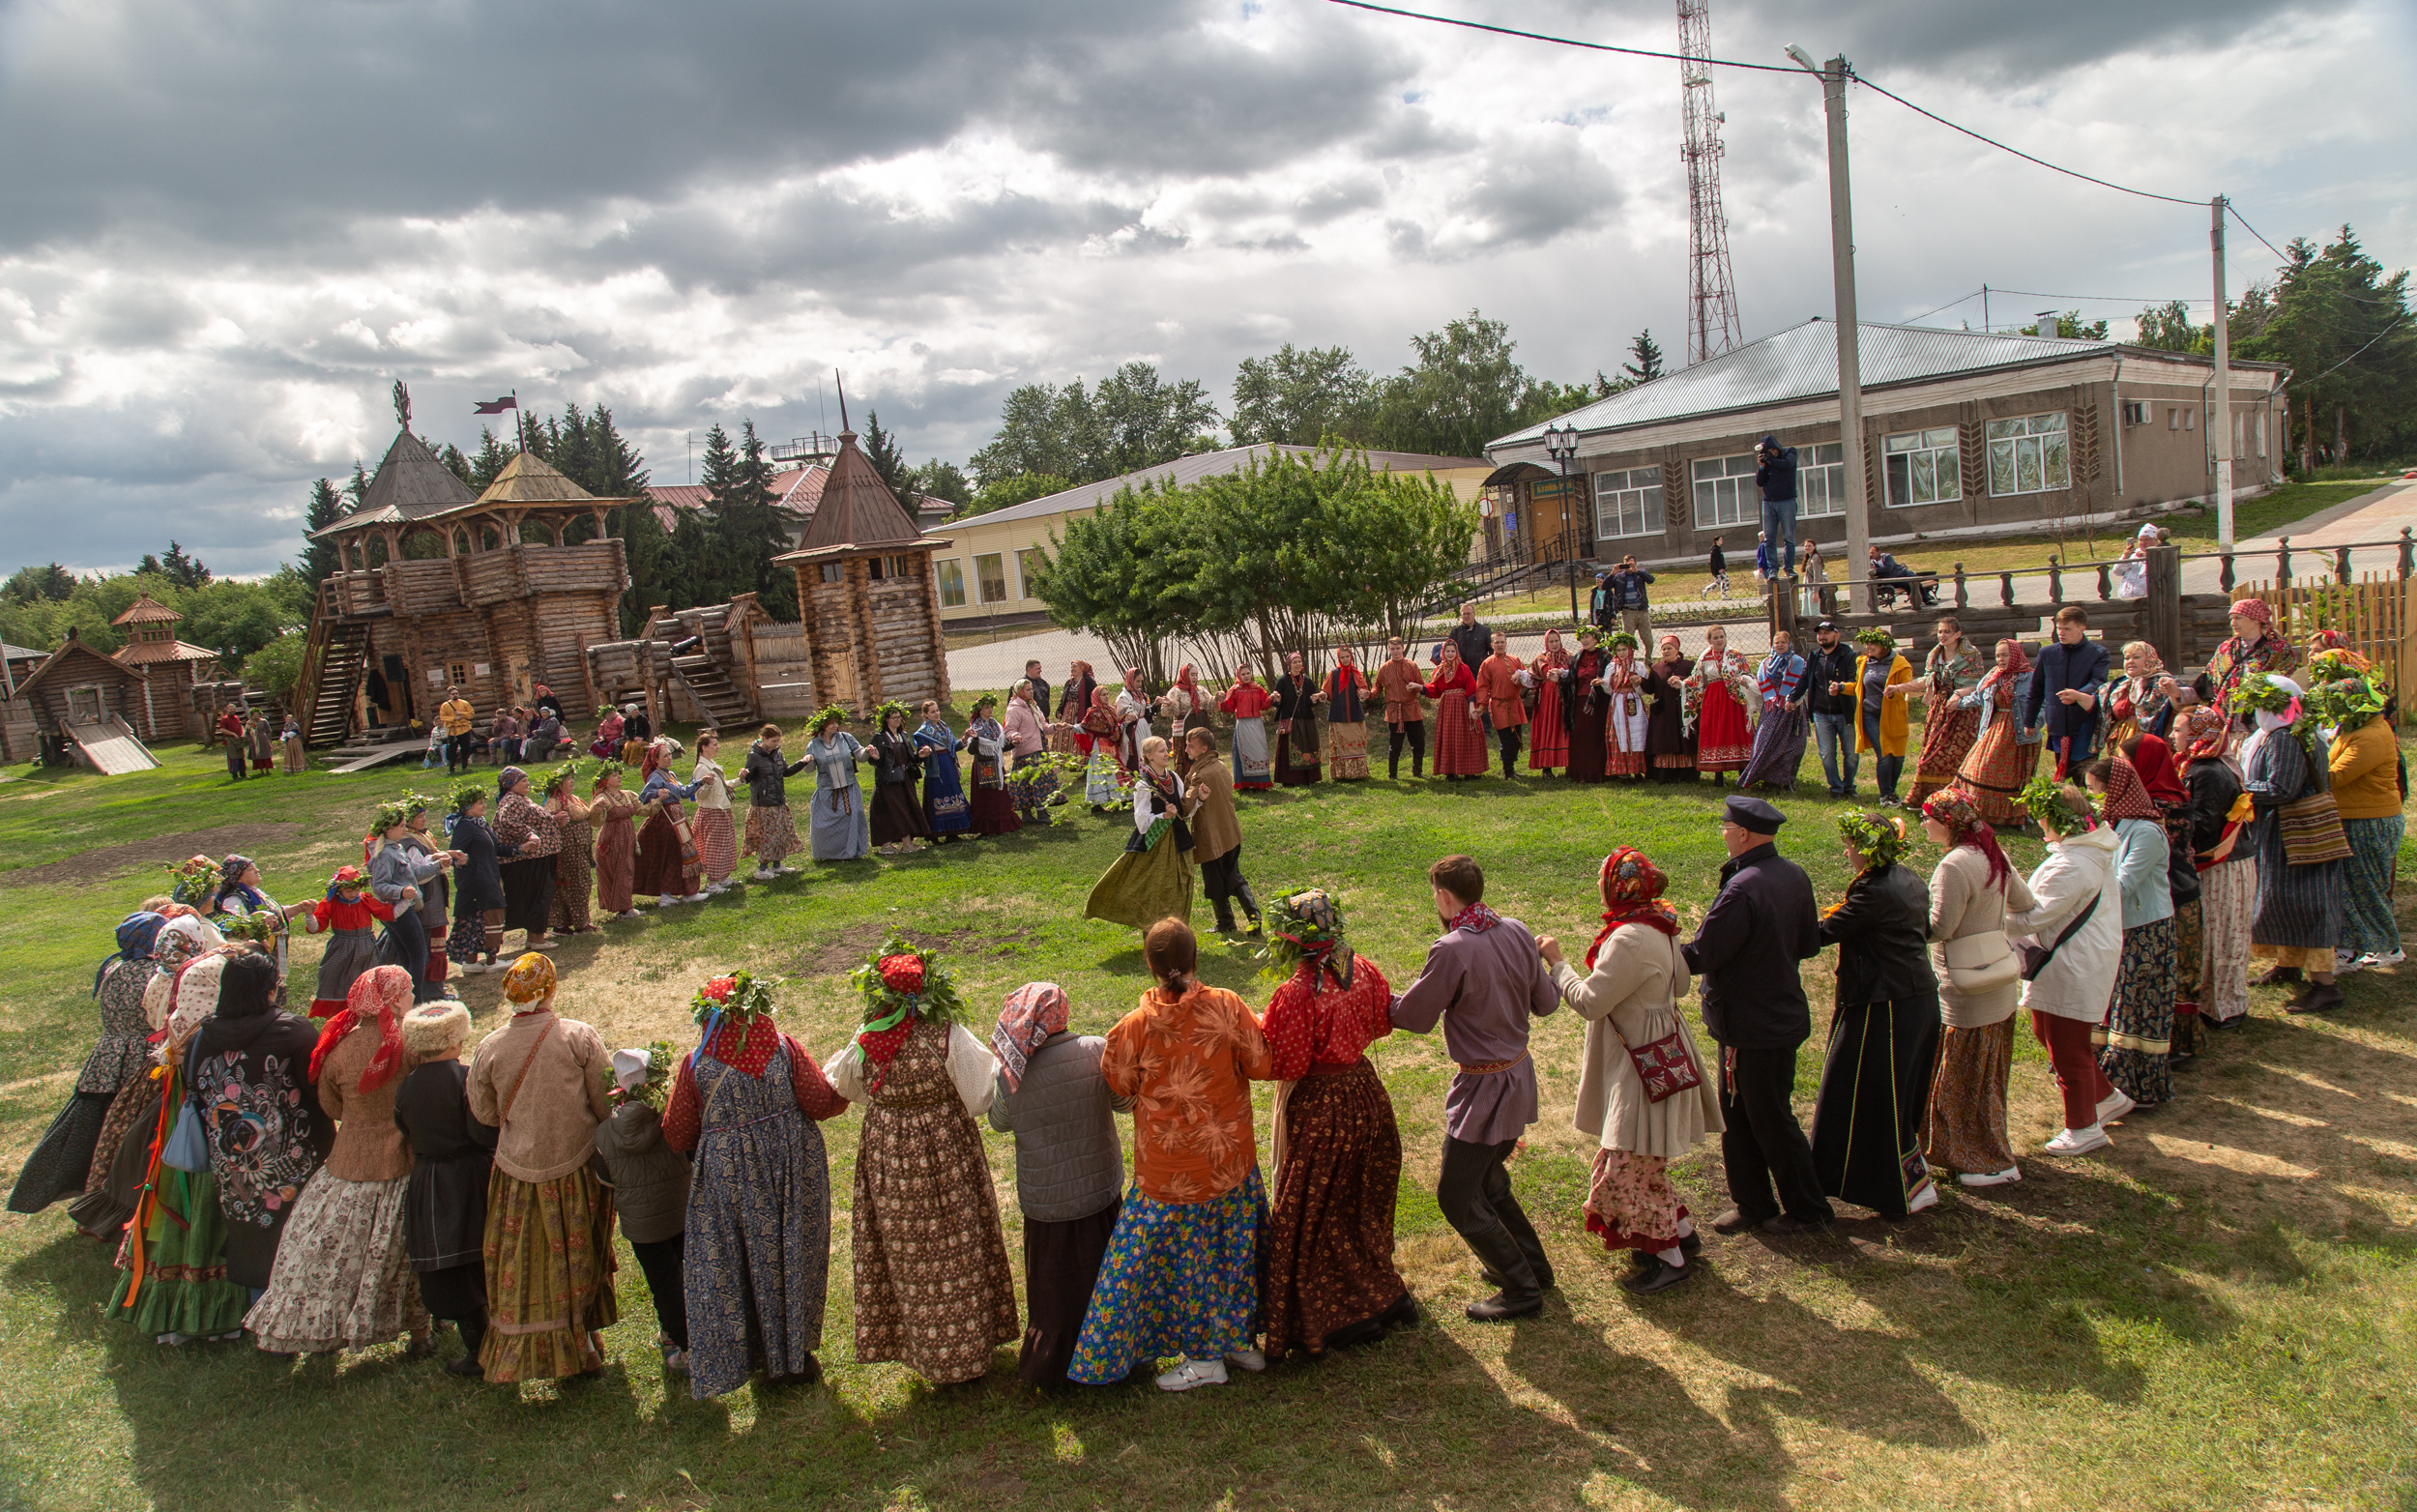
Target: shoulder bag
<point>1982,963</point>
<point>2311,832</point>
<point>2036,956</point>
<point>1663,1065</point>
<point>187,1149</point>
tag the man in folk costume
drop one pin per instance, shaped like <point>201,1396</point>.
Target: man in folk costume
<point>1216,833</point>
<point>1347,717</point>
<point>1497,688</point>
<point>2066,685</point>
<point>1405,718</point>
<point>1629,709</point>
<point>1747,952</point>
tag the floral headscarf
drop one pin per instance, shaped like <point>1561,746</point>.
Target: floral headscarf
<point>1034,1012</point>
<point>1306,928</point>
<point>2205,734</point>
<point>1965,826</point>
<point>2127,795</point>
<point>2021,664</point>
<point>508,779</point>
<point>530,978</point>
<point>380,996</point>
<point>1631,894</point>
<point>2256,609</point>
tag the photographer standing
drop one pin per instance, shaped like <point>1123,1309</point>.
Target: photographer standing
<point>1775,474</point>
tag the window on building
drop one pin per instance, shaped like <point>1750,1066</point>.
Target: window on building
<point>1922,467</point>
<point>1628,504</point>
<point>833,572</point>
<point>83,705</point>
<point>2174,418</point>
<point>991,570</point>
<point>1725,493</point>
<point>2028,455</point>
<point>2262,432</point>
<point>1820,481</point>
<point>1028,563</point>
<point>951,584</point>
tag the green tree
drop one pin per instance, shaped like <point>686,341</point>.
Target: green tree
<point>2071,326</point>
<point>1644,357</point>
<point>2345,327</point>
<point>492,457</point>
<point>275,669</point>
<point>1021,488</point>
<point>1464,389</point>
<point>325,508</point>
<point>185,571</point>
<point>1300,396</point>
<point>36,584</point>
<point>1133,420</point>
<point>2167,328</point>
<point>880,448</point>
<point>938,479</point>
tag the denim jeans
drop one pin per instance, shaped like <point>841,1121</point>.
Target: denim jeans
<point>1834,734</point>
<point>1778,525</point>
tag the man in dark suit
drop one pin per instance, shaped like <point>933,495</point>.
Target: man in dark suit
<point>2067,682</point>
<point>1040,685</point>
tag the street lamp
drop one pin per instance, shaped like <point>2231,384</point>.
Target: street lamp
<point>1561,443</point>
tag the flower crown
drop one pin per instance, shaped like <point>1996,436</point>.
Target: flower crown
<point>740,998</point>
<point>2047,805</point>
<point>824,716</point>
<point>194,879</point>
<point>1879,840</point>
<point>1876,636</point>
<point>464,796</point>
<point>655,1090</point>
<point>899,977</point>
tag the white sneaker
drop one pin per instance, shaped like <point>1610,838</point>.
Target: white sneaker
<point>764,874</point>
<point>2114,1106</point>
<point>1188,1374</point>
<point>2008,1176</point>
<point>1927,1197</point>
<point>693,897</point>
<point>629,913</point>
<point>2345,963</point>
<point>2388,958</point>
<point>2079,1142</point>
<point>1248,1359</point>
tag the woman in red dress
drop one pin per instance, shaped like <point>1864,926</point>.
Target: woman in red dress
<point>1548,733</point>
<point>1459,739</point>
<point>1254,768</point>
<point>1716,705</point>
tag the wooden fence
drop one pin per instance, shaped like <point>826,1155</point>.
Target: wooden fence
<point>2377,615</point>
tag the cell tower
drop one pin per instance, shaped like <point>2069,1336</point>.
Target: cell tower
<point>1712,325</point>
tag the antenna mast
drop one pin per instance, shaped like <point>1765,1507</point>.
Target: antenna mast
<point>1712,325</point>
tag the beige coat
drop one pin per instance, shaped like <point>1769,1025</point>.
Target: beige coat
<point>1964,903</point>
<point>552,1129</point>
<point>1210,811</point>
<point>1631,998</point>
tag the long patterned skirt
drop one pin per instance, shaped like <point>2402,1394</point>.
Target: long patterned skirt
<point>1588,741</point>
<point>1626,734</point>
<point>1965,1129</point>
<point>1100,788</point>
<point>137,1100</point>
<point>349,953</point>
<point>1298,755</point>
<point>1947,736</point>
<point>172,1264</point>
<point>574,879</point>
<point>1347,750</point>
<point>1326,1259</point>
<point>59,1164</point>
<point>1778,749</point>
<point>1180,1279</point>
<point>1723,744</point>
<point>933,1288</point>
<point>717,844</point>
<point>1998,767</point>
<point>342,1279</point>
<point>1459,741</point>
<point>549,1275</point>
<point>1548,733</point>
<point>2368,927</point>
<point>1141,887</point>
<point>2136,1041</point>
<point>2188,947</point>
<point>756,1266</point>
<point>1253,771</point>
<point>2227,900</point>
<point>1876,1084</point>
<point>772,835</point>
<point>1630,1202</point>
<point>1060,1269</point>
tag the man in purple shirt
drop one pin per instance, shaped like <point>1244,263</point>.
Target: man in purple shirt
<point>1483,980</point>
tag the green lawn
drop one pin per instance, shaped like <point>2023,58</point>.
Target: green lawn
<point>2221,1312</point>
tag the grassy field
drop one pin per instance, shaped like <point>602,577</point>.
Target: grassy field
<point>2219,1312</point>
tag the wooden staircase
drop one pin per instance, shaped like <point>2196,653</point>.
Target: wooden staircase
<point>712,691</point>
<point>333,667</point>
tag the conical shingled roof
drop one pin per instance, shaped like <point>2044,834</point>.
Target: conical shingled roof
<point>857,508</point>
<point>532,480</point>
<point>147,610</point>
<point>411,485</point>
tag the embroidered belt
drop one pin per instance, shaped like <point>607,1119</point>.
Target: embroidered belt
<point>1489,1067</point>
<point>1335,1067</point>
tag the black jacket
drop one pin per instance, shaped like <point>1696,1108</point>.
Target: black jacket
<point>1881,932</point>
<point>1746,950</point>
<point>1631,587</point>
<point>1777,477</point>
<point>479,881</point>
<point>2214,790</point>
<point>445,1205</point>
<point>767,776</point>
<point>1821,668</point>
<point>637,727</point>
<point>894,759</point>
<point>2061,666</point>
<point>1475,643</point>
<point>1040,693</point>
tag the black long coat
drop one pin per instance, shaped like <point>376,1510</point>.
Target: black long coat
<point>1881,930</point>
<point>479,881</point>
<point>1763,923</point>
<point>445,1205</point>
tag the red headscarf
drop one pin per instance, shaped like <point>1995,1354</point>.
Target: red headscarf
<point>2206,734</point>
<point>2012,670</point>
<point>380,996</point>
<point>1189,683</point>
<point>1631,894</point>
<point>2127,795</point>
<point>1965,826</point>
<point>2153,758</point>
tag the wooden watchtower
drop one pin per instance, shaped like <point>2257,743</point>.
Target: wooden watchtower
<point>865,592</point>
<point>493,593</point>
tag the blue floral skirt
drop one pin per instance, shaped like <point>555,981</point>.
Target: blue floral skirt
<point>1180,1279</point>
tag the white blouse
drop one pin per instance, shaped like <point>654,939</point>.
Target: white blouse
<point>971,1069</point>
<point>1147,809</point>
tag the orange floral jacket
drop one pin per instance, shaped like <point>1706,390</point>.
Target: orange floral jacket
<point>1188,1063</point>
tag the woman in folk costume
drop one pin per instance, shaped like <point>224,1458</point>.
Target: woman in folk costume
<point>1153,878</point>
<point>173,1282</point>
<point>527,841</point>
<point>1298,750</point>
<point>1459,739</point>
<point>2255,647</point>
<point>1882,726</point>
<point>837,830</point>
<point>1548,733</point>
<point>1345,691</point>
<point>670,869</point>
<point>613,810</point>
<point>607,743</point>
<point>2140,702</point>
<point>1027,732</point>
<point>540,1083</point>
<point>985,740</point>
<point>240,894</point>
<point>2004,754</point>
<point>250,1069</point>
<point>1248,703</point>
<point>1718,695</point>
<point>896,819</point>
<point>1186,709</point>
<point>1629,998</point>
<point>290,742</point>
<point>1326,1278</point>
<point>574,855</point>
<point>1181,1276</point>
<point>2365,775</point>
<point>1883,1032</point>
<point>2136,1041</point>
<point>1069,1169</point>
<point>1578,693</point>
<point>944,791</point>
<point>65,1162</point>
<point>1074,701</point>
<point>717,836</point>
<point>347,908</point>
<point>263,743</point>
<point>343,1278</point>
<point>933,1289</point>
<point>2223,851</point>
<point>1669,736</point>
<point>772,835</point>
<point>1628,711</point>
<point>452,1156</point>
<point>2153,760</point>
<point>1778,734</point>
<point>1973,890</point>
<point>1132,713</point>
<point>1104,768</point>
<point>756,1252</point>
<point>1954,668</point>
<point>2299,901</point>
<point>477,932</point>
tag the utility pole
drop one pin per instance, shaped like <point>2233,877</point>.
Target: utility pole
<point>2220,425</point>
<point>1833,77</point>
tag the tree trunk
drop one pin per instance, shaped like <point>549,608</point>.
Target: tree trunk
<point>2341,437</point>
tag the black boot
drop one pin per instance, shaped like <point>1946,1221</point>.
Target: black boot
<point>1507,1265</point>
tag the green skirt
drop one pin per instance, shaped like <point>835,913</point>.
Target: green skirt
<point>1144,887</point>
<point>185,1289</point>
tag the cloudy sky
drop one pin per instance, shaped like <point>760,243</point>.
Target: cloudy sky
<point>230,226</point>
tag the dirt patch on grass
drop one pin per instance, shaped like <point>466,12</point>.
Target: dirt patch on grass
<point>107,860</point>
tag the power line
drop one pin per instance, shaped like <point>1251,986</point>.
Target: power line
<point>2074,173</point>
<point>2254,231</point>
<point>1564,42</point>
<point>2096,299</point>
<point>1950,305</point>
<point>2346,362</point>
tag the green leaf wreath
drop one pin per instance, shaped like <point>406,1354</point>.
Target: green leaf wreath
<point>898,979</point>
<point>2044,801</point>
<point>1879,839</point>
<point>740,998</point>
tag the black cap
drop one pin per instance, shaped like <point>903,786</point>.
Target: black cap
<point>1752,814</point>
<point>1827,625</point>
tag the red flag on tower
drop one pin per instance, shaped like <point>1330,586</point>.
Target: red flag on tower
<point>494,406</point>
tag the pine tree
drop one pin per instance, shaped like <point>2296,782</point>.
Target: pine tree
<point>455,463</point>
<point>1644,357</point>
<point>880,448</point>
<point>493,456</point>
<point>185,571</point>
<point>327,505</point>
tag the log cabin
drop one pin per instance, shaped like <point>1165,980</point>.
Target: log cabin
<point>865,593</point>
